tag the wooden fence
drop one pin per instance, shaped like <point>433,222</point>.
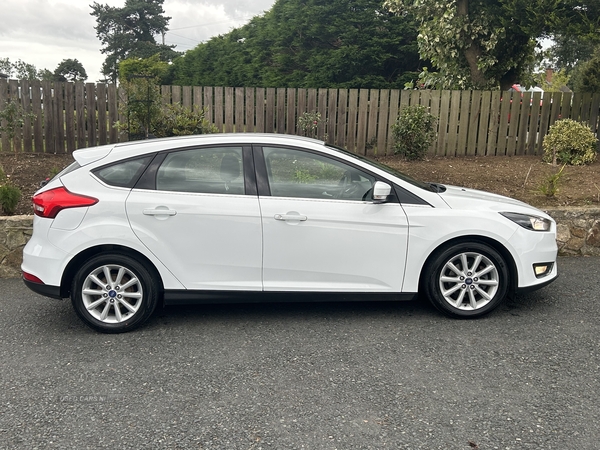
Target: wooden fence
<point>491,123</point>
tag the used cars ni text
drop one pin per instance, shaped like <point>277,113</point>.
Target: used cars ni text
<point>229,217</point>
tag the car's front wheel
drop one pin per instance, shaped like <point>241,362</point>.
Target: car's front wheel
<point>466,280</point>
<point>114,293</point>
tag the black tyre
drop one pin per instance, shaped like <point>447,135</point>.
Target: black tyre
<point>114,293</point>
<point>466,280</point>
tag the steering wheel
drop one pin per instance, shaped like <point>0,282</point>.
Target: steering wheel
<point>347,188</point>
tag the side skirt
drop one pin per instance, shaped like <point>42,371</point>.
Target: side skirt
<point>181,297</point>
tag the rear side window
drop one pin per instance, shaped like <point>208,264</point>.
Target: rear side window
<point>218,170</point>
<point>123,173</point>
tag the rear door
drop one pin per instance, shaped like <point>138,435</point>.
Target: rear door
<point>197,211</point>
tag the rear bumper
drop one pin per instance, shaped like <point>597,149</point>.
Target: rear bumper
<point>44,289</point>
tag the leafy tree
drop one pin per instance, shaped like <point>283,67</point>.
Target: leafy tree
<point>140,78</point>
<point>21,70</point>
<point>25,71</point>
<point>12,119</point>
<point>129,32</point>
<point>70,70</point>
<point>309,43</point>
<point>491,43</point>
<point>46,75</point>
<point>567,51</point>
<point>588,78</point>
<point>5,66</point>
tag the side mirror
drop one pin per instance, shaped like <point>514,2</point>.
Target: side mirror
<point>381,191</point>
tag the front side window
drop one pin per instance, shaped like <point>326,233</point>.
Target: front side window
<point>216,170</point>
<point>296,173</point>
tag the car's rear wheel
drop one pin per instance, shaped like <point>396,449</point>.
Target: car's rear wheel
<point>466,280</point>
<point>114,293</point>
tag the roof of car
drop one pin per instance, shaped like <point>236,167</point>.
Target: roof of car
<point>227,137</point>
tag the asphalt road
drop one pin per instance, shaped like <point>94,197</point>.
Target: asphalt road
<point>308,376</point>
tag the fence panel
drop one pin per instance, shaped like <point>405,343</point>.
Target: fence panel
<point>372,123</point>
<point>250,107</point>
<point>239,110</point>
<point>384,126</point>
<point>463,123</point>
<point>468,123</point>
<point>38,126</point>
<point>291,112</point>
<point>260,110</point>
<point>342,118</point>
<point>352,117</point>
<point>332,107</point>
<point>394,104</point>
<point>361,128</point>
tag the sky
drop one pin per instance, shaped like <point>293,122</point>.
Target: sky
<point>44,32</point>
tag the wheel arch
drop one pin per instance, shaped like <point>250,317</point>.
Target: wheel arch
<point>82,257</point>
<point>501,249</point>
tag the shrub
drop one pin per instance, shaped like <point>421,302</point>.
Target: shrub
<point>413,132</point>
<point>308,124</point>
<point>549,185</point>
<point>9,198</point>
<point>177,120</point>
<point>570,142</point>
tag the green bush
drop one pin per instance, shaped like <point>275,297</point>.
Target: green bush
<point>413,132</point>
<point>9,198</point>
<point>570,142</point>
<point>308,124</point>
<point>177,120</point>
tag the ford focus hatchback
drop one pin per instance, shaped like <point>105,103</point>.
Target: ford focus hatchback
<point>232,217</point>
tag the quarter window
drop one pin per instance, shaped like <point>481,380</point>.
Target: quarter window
<point>205,170</point>
<point>124,173</point>
<point>296,173</point>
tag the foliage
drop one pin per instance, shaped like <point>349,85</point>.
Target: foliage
<point>569,142</point>
<point>309,123</point>
<point>12,118</point>
<point>588,75</point>
<point>308,44</point>
<point>9,198</point>
<point>143,106</point>
<point>152,67</point>
<point>140,80</point>
<point>560,78</point>
<point>489,44</point>
<point>70,70</point>
<point>20,70</point>
<point>177,120</point>
<point>567,51</point>
<point>129,32</point>
<point>413,132</point>
<point>549,186</point>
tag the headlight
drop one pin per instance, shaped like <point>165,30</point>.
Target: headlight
<point>533,223</point>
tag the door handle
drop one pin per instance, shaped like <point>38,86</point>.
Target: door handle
<point>291,217</point>
<point>159,212</point>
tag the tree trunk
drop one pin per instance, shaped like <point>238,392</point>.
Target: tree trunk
<point>473,51</point>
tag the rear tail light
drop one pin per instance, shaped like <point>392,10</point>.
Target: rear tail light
<point>49,203</point>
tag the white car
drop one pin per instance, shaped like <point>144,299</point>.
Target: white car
<point>234,217</point>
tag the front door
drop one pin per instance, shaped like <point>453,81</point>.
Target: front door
<point>320,230</point>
